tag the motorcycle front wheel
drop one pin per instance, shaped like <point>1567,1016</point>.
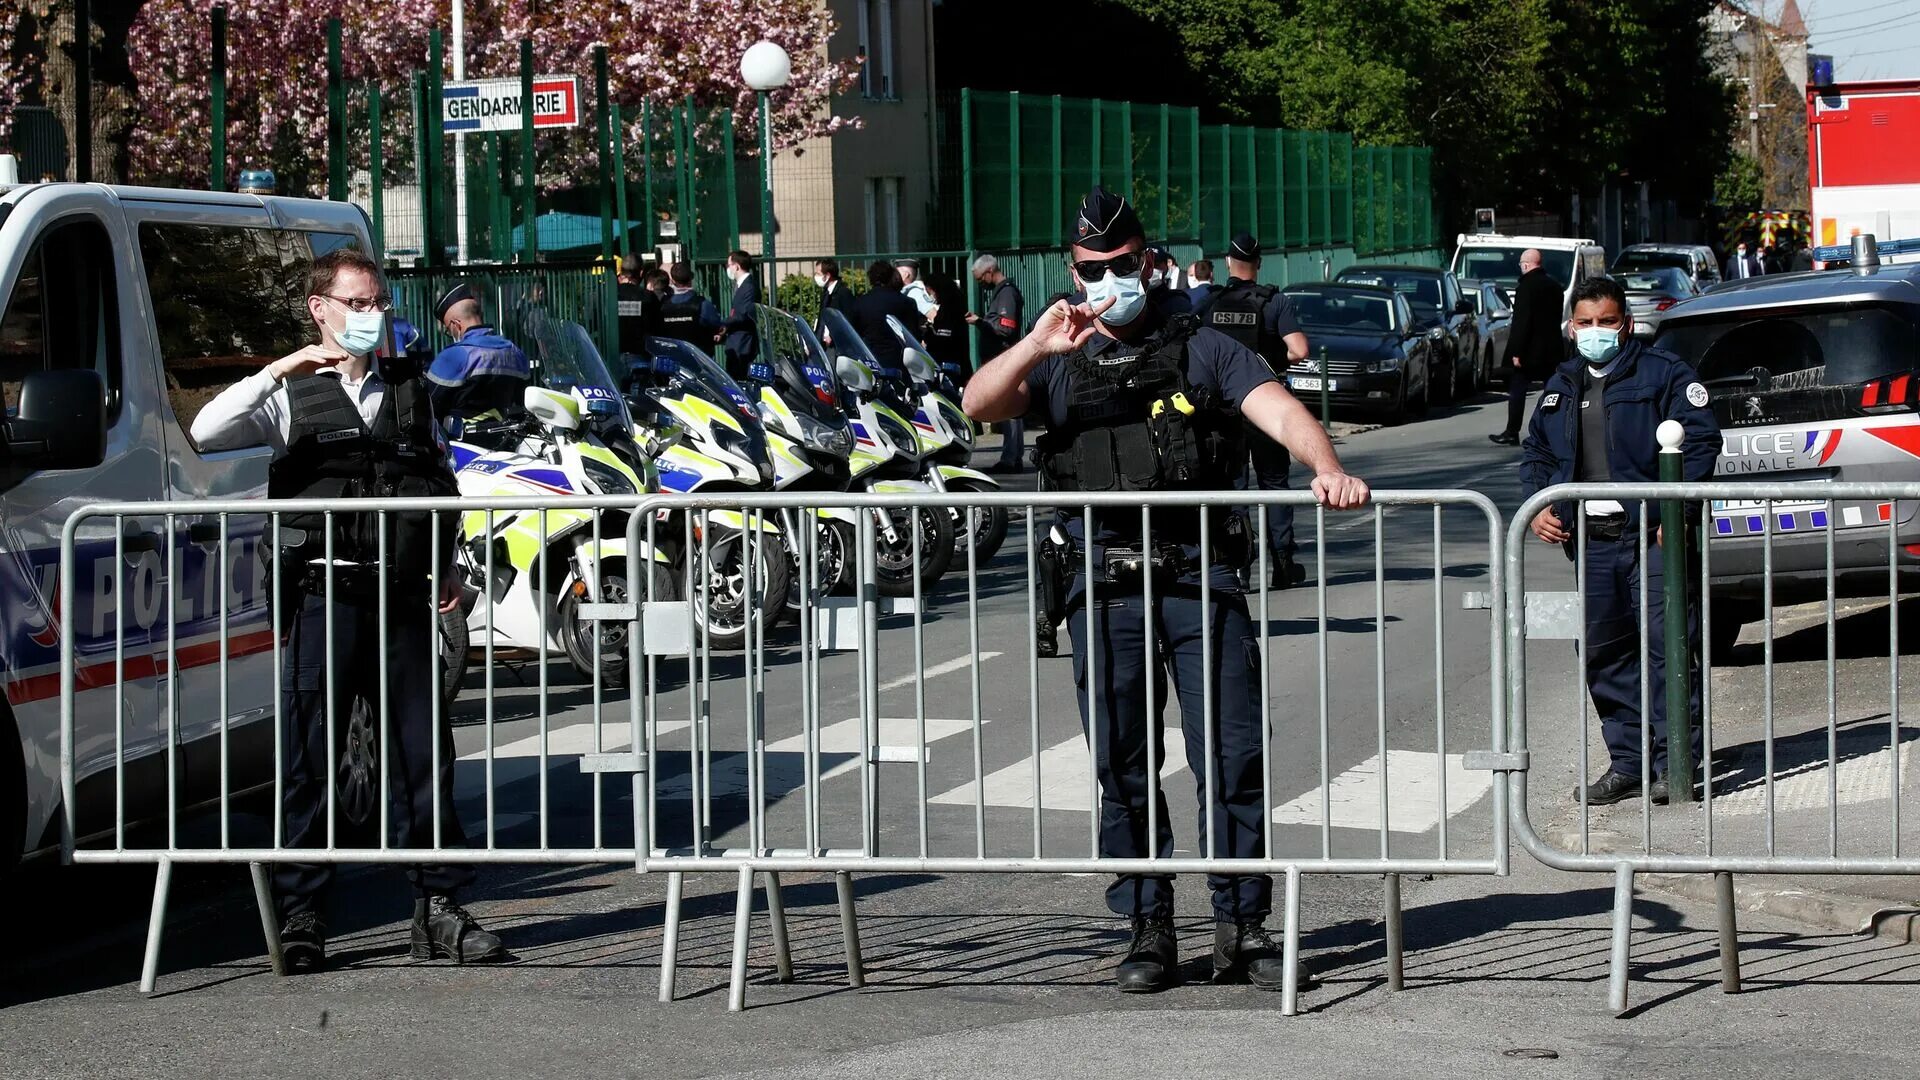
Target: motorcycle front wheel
<point>893,561</point>
<point>984,527</point>
<point>720,590</point>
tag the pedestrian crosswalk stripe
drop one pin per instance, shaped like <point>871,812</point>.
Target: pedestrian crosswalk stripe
<point>1064,780</point>
<point>1413,794</point>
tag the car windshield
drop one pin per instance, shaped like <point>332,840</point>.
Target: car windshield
<point>1669,280</point>
<point>1790,350</point>
<point>1630,261</point>
<point>1502,264</point>
<point>1421,290</point>
<point>1342,310</point>
<point>568,359</point>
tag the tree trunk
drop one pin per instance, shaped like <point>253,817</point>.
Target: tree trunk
<point>113,87</point>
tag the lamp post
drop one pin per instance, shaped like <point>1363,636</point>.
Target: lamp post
<point>766,68</point>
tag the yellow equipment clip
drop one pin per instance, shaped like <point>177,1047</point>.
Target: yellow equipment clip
<point>1158,408</point>
<point>1180,402</point>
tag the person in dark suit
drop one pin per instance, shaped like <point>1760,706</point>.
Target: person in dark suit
<point>834,293</point>
<point>1744,263</point>
<point>741,334</point>
<point>870,311</point>
<point>1535,345</point>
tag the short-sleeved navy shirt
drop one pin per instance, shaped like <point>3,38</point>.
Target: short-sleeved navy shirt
<point>1214,361</point>
<point>1276,318</point>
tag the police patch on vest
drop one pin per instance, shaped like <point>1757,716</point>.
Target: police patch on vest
<point>1235,318</point>
<point>336,436</point>
<point>1551,401</point>
<point>1696,395</point>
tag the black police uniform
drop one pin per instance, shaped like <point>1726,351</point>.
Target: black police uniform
<point>639,317</point>
<point>1098,426</point>
<point>689,317</point>
<point>1260,317</point>
<point>332,453</point>
<point>1603,430</point>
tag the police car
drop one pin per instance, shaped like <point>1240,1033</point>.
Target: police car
<point>1813,378</point>
<point>123,311</point>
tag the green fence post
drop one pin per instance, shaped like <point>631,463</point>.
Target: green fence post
<point>432,198</point>
<point>603,129</point>
<point>217,91</point>
<point>1280,188</point>
<point>1326,188</point>
<point>1013,170</point>
<point>376,172</point>
<point>646,174</point>
<point>1673,547</point>
<point>530,184</point>
<point>1058,176</point>
<point>732,182</point>
<point>1166,184</point>
<point>499,212</point>
<point>688,221</point>
<point>417,87</point>
<point>1126,143</point>
<point>336,117</point>
<point>1253,182</point>
<point>1098,112</point>
<point>620,193</point>
<point>966,219</point>
<point>1193,177</point>
<point>1326,393</point>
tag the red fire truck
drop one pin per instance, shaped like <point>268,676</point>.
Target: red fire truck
<point>1863,159</point>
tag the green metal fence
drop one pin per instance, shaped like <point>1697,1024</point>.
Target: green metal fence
<point>532,305</point>
<point>1028,159</point>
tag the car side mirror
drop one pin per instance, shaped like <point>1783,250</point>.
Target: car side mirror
<point>1464,307</point>
<point>61,422</point>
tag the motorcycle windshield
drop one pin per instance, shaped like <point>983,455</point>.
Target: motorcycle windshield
<point>694,374</point>
<point>794,363</point>
<point>569,362</point>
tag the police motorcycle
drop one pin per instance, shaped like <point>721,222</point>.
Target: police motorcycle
<point>722,448</point>
<point>887,458</point>
<point>946,437</point>
<point>528,565</point>
<point>811,444</point>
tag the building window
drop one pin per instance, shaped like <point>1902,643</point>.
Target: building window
<point>883,214</point>
<point>876,49</point>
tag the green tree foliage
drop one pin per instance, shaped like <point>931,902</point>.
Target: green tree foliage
<point>1521,100</point>
<point>1738,190</point>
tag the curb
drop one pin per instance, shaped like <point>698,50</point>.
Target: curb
<point>1823,909</point>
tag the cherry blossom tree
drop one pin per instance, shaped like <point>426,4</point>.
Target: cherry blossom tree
<point>277,97</point>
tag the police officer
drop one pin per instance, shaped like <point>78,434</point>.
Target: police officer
<point>639,312</point>
<point>1137,400</point>
<point>685,314</point>
<point>1261,318</point>
<point>1595,424</point>
<point>1163,289</point>
<point>342,424</point>
<point>481,376</point>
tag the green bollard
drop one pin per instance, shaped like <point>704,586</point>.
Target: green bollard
<point>1673,548</point>
<point>1326,393</point>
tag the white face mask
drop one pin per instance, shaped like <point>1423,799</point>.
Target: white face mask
<point>820,280</point>
<point>1127,293</point>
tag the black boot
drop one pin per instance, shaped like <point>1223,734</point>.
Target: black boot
<point>1046,642</point>
<point>1245,951</point>
<point>303,943</point>
<point>1612,788</point>
<point>1152,960</point>
<point>443,928</point>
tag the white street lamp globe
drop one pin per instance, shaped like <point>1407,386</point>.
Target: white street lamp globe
<point>766,66</point>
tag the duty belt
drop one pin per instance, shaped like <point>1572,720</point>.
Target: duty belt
<point>1608,528</point>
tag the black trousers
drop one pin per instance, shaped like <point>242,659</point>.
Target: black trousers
<point>1270,466</point>
<point>407,742</point>
<point>1517,386</point>
<point>1123,721</point>
<point>1613,650</point>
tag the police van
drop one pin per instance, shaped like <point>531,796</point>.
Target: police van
<point>1814,377</point>
<point>123,311</point>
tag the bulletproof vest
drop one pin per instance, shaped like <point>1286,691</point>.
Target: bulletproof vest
<point>638,308</point>
<point>1139,424</point>
<point>680,318</point>
<point>333,454</point>
<point>1238,311</point>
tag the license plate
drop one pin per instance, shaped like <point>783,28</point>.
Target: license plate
<point>1778,506</point>
<point>1300,383</point>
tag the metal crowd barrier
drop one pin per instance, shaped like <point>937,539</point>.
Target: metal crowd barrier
<point>770,759</point>
<point>1744,534</point>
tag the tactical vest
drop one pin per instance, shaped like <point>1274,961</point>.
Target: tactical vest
<point>680,318</point>
<point>332,454</point>
<point>1239,311</point>
<point>1141,425</point>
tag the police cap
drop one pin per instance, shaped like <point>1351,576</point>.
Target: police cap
<point>1106,222</point>
<point>460,291</point>
<point>1245,248</point>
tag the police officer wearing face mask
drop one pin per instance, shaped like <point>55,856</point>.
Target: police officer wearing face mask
<point>1596,423</point>
<point>1138,400</point>
<point>342,424</point>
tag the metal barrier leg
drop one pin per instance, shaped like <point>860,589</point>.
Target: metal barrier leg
<point>670,947</point>
<point>742,925</point>
<point>269,920</point>
<point>156,919</point>
<point>777,915</point>
<point>1729,934</point>
<point>1622,928</point>
<point>1396,941</point>
<point>1290,947</point>
<point>850,930</point>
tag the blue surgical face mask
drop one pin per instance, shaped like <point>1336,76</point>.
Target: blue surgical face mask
<point>1597,344</point>
<point>1128,295</point>
<point>362,333</point>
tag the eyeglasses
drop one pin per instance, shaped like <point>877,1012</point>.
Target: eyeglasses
<point>1125,264</point>
<point>383,302</point>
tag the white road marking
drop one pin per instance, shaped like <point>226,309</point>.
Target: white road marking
<point>958,663</point>
<point>574,740</point>
<point>1413,793</point>
<point>787,762</point>
<point>1064,780</point>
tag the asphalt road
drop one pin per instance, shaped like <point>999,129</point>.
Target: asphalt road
<point>975,973</point>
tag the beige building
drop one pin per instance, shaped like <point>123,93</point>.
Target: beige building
<point>869,190</point>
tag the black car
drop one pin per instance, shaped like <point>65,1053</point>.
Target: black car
<point>1378,358</point>
<point>1443,311</point>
